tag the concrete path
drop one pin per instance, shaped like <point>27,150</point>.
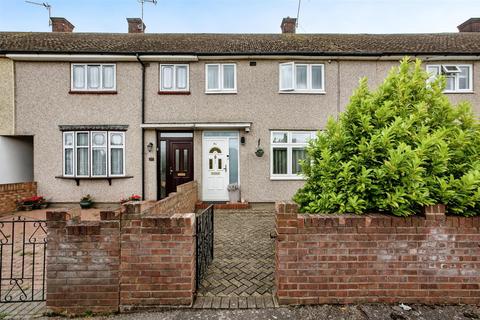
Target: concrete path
<point>324,312</point>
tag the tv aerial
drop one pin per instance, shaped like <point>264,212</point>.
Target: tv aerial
<point>142,2</point>
<point>46,6</point>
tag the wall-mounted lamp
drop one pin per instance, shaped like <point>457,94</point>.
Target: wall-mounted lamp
<point>242,140</point>
<point>150,147</point>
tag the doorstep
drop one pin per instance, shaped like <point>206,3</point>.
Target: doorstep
<point>223,205</point>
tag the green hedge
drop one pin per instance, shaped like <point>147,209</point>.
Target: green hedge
<point>395,150</point>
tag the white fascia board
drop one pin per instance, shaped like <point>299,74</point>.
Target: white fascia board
<point>199,125</point>
<point>97,57</point>
<point>336,58</point>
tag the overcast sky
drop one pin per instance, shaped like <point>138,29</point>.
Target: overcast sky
<point>245,16</point>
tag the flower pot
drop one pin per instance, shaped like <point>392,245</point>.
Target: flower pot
<point>28,207</point>
<point>234,195</point>
<point>259,152</point>
<point>85,204</point>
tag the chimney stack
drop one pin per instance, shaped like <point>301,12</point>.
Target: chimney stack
<point>289,25</point>
<point>471,25</point>
<point>135,25</point>
<point>60,24</point>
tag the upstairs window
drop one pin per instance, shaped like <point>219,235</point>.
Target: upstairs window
<point>288,150</point>
<point>93,154</point>
<point>458,77</point>
<point>300,77</point>
<point>93,77</point>
<point>174,77</point>
<point>221,78</point>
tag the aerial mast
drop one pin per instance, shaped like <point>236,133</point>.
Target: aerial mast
<point>154,2</point>
<point>46,6</point>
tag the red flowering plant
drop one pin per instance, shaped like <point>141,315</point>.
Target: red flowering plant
<point>133,197</point>
<point>35,202</point>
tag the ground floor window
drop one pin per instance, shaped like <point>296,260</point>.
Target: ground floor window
<point>93,154</point>
<point>287,152</point>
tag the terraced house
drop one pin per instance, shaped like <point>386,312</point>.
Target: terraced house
<point>115,114</point>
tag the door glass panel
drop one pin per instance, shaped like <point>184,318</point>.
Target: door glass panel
<point>163,169</point>
<point>177,159</point>
<point>185,159</point>
<point>233,158</point>
<point>220,164</point>
<point>210,164</point>
<point>280,161</point>
<point>176,134</point>
<point>220,133</point>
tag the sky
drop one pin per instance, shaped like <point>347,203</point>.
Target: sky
<point>245,16</point>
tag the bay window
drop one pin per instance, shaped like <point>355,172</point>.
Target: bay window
<point>93,154</point>
<point>301,77</point>
<point>174,77</point>
<point>221,78</point>
<point>288,150</point>
<point>93,77</point>
<point>458,78</point>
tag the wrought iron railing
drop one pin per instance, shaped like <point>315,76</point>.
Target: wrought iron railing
<point>204,244</point>
<point>23,245</point>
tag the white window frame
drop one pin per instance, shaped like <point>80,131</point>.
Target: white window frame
<point>289,145</point>
<point>293,88</point>
<point>455,74</point>
<point>174,77</point>
<point>72,147</point>
<point>109,155</point>
<point>220,79</point>
<point>90,153</point>
<point>85,86</point>
<point>105,146</point>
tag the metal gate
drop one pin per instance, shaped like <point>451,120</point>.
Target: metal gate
<point>23,246</point>
<point>204,248</point>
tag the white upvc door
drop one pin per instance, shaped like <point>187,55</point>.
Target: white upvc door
<point>215,168</point>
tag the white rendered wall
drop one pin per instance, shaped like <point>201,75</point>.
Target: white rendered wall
<point>16,159</point>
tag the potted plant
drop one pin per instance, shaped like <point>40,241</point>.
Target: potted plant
<point>233,192</point>
<point>259,152</point>
<point>86,202</point>
<point>31,203</point>
<point>133,197</point>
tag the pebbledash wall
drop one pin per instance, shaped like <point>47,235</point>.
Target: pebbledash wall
<point>11,192</point>
<point>139,256</point>
<point>376,258</point>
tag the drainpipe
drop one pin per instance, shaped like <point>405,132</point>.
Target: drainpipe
<point>143,121</point>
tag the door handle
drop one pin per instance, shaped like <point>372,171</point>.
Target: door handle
<point>171,171</point>
<point>225,168</point>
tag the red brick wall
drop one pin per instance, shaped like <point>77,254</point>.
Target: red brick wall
<point>158,259</point>
<point>131,258</point>
<point>376,258</point>
<point>11,192</point>
<point>83,260</point>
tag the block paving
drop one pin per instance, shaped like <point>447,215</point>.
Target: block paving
<point>242,272</point>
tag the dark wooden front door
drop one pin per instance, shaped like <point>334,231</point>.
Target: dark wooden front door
<point>175,163</point>
<point>180,164</point>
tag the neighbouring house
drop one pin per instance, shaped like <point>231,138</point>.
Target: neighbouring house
<point>116,114</point>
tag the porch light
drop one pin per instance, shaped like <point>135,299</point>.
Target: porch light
<point>150,147</point>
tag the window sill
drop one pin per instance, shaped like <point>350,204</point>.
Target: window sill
<point>92,92</point>
<point>221,92</point>
<point>287,178</point>
<point>302,92</point>
<point>109,179</point>
<point>459,92</point>
<point>185,93</point>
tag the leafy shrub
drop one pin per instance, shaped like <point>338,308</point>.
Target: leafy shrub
<point>395,150</point>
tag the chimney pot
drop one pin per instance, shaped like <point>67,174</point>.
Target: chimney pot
<point>135,25</point>
<point>60,24</point>
<point>289,25</point>
<point>471,25</point>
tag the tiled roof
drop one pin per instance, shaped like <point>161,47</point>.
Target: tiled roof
<point>228,44</point>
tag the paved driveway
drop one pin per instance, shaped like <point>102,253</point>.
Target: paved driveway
<point>242,272</point>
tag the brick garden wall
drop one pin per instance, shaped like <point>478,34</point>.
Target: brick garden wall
<point>376,258</point>
<point>11,192</point>
<point>142,255</point>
